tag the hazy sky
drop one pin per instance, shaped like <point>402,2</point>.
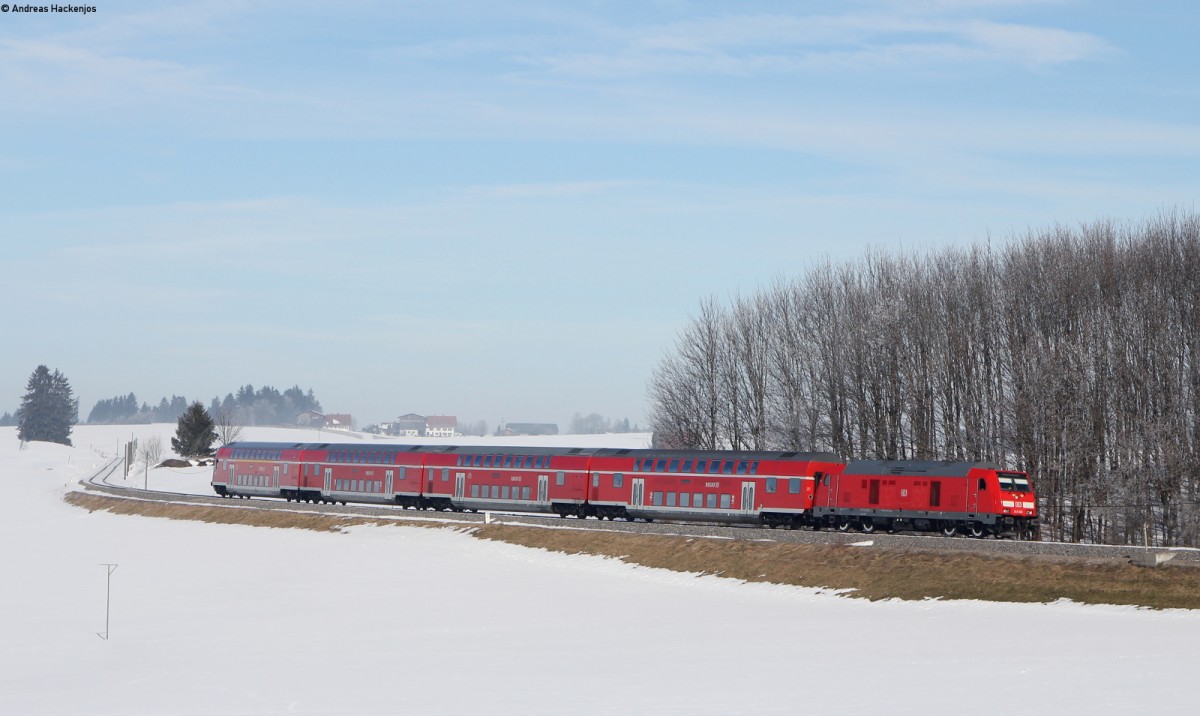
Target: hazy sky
<point>509,209</point>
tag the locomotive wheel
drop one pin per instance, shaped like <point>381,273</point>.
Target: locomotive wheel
<point>867,526</point>
<point>950,530</point>
<point>976,531</point>
<point>843,525</point>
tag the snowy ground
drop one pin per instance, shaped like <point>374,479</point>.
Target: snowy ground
<point>219,619</point>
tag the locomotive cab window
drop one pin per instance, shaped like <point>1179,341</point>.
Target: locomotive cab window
<point>982,484</point>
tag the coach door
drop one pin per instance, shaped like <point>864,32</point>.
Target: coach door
<point>639,489</point>
<point>390,485</point>
<point>276,483</point>
<point>460,482</point>
<point>328,480</point>
<point>748,497</point>
<point>543,488</point>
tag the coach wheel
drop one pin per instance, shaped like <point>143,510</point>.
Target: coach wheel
<point>843,525</point>
<point>950,530</point>
<point>976,531</point>
<point>867,526</point>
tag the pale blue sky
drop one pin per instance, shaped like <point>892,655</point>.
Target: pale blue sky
<point>508,210</point>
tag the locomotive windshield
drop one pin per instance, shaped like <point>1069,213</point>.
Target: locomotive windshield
<point>1013,481</point>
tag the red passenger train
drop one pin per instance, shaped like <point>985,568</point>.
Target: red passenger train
<point>774,489</point>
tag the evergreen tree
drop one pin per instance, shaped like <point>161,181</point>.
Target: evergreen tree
<point>195,433</point>
<point>49,408</point>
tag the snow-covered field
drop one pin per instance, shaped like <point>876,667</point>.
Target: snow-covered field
<point>219,619</point>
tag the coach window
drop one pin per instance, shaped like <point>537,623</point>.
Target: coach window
<point>794,486</point>
<point>660,466</point>
<point>445,474</point>
<point>726,502</point>
<point>697,499</point>
<point>711,501</point>
<point>701,465</point>
<point>504,492</point>
<point>596,480</point>
<point>674,466</point>
<point>728,469</point>
<point>560,478</point>
<point>754,468</point>
<point>670,499</point>
<point>618,479</point>
<point>687,466</point>
<point>525,493</point>
<point>742,467</point>
<point>474,490</point>
<point>656,499</point>
<point>683,499</point>
<point>771,484</point>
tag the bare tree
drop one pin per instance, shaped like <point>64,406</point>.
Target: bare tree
<point>1072,353</point>
<point>228,425</point>
<point>150,450</point>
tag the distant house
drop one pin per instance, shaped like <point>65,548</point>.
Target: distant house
<point>311,418</point>
<point>339,420</point>
<point>441,426</point>
<point>509,429</point>
<point>409,426</point>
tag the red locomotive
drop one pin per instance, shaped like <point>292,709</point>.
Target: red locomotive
<point>775,489</point>
<point>973,497</point>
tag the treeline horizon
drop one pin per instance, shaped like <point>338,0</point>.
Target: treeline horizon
<point>264,406</point>
<point>1070,353</point>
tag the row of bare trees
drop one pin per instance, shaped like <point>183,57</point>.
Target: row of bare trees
<point>1072,353</point>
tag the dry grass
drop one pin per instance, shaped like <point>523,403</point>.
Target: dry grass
<point>872,572</point>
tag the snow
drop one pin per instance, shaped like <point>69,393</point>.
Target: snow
<point>224,619</point>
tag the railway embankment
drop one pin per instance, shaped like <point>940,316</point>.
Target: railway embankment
<point>869,568</point>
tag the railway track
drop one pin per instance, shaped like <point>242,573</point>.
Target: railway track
<point>100,483</point>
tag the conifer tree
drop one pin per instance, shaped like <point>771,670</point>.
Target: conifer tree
<point>195,433</point>
<point>49,408</point>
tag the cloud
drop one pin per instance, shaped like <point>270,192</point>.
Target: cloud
<point>780,44</point>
